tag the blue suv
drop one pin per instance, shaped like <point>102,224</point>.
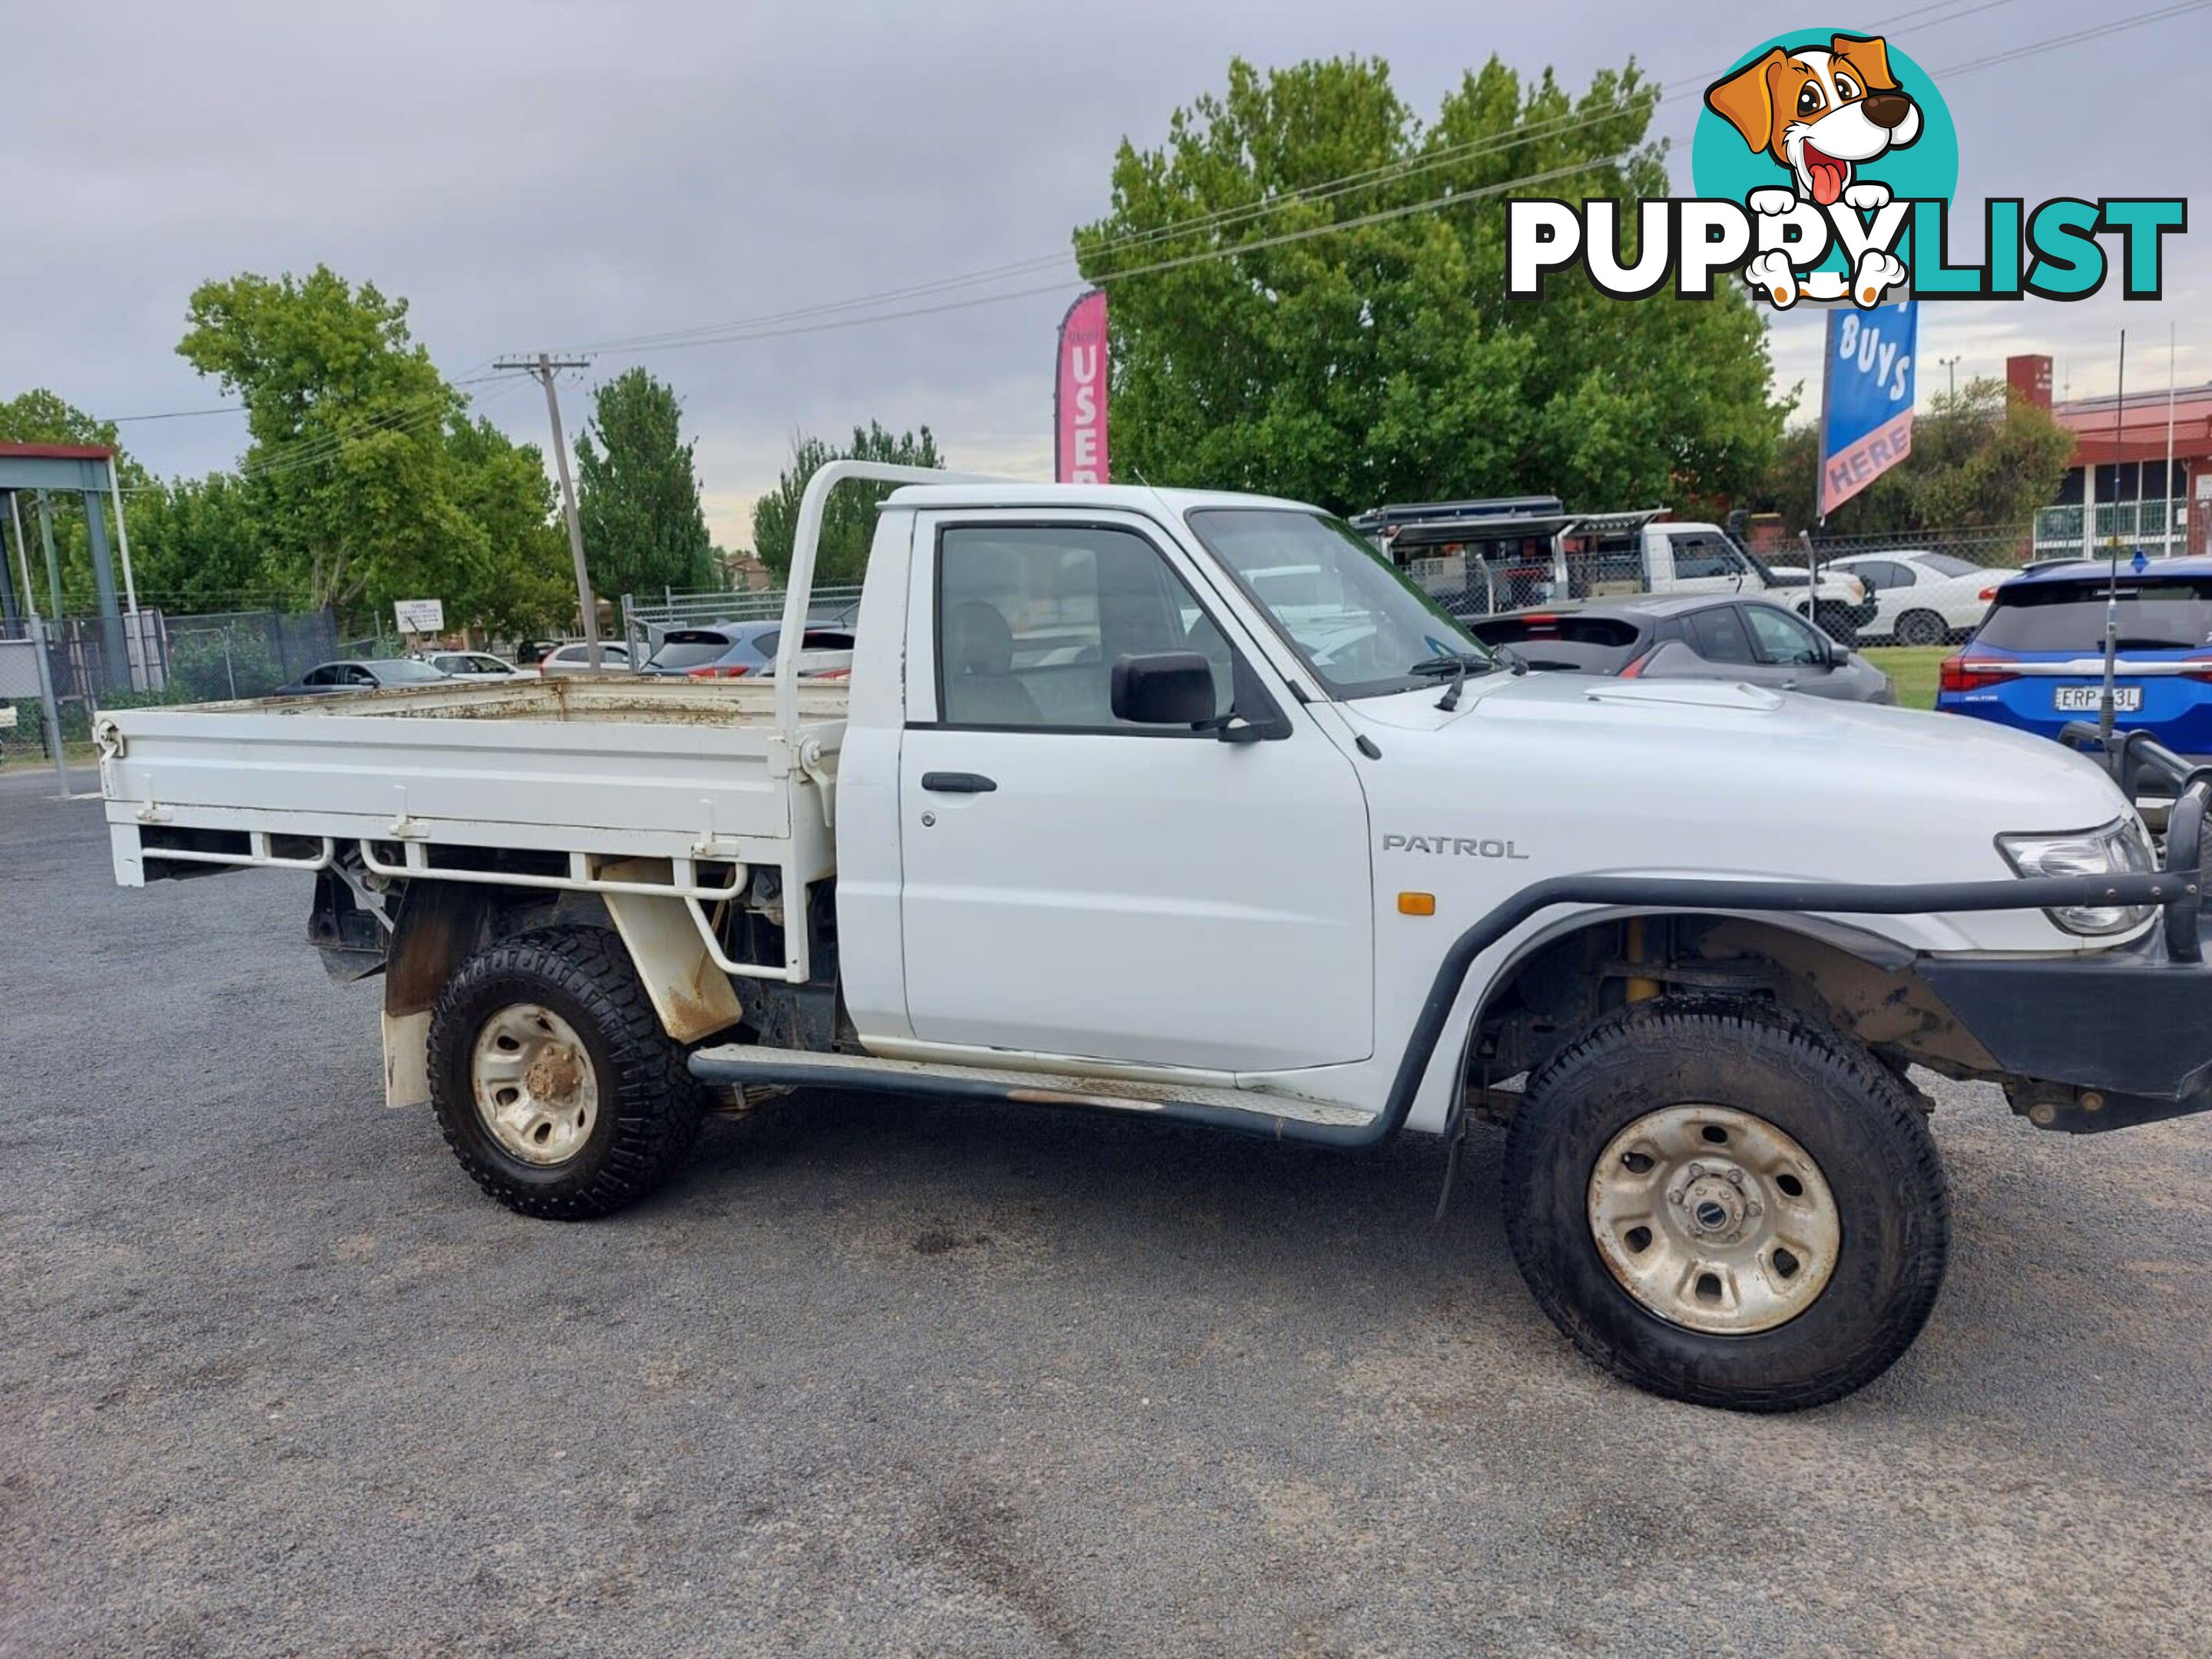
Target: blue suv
<point>2038,659</point>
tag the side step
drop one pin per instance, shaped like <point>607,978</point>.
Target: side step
<point>1241,1111</point>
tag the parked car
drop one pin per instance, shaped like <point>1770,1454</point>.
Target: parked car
<point>1700,636</point>
<point>729,651</point>
<point>575,658</point>
<point>1922,599</point>
<point>2038,659</point>
<point>1846,600</point>
<point>473,665</point>
<point>361,674</point>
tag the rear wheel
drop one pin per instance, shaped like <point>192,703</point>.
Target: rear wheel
<point>553,1081</point>
<point>1921,628</point>
<point>1726,1207</point>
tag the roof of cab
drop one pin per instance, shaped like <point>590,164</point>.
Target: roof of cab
<point>1127,498</point>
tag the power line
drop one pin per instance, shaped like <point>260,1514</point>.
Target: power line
<point>325,446</point>
<point>760,330</point>
<point>1451,198</point>
<point>835,314</point>
<point>177,414</point>
<point>1390,171</point>
<point>2097,32</point>
<point>237,408</point>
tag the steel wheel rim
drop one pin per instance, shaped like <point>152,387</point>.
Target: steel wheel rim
<point>536,1093</point>
<point>1714,1219</point>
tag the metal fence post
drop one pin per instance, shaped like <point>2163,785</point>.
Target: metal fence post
<point>47,706</point>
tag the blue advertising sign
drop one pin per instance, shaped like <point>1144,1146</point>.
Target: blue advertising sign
<point>1865,401</point>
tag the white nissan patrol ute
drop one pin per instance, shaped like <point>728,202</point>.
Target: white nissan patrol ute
<point>1187,805</point>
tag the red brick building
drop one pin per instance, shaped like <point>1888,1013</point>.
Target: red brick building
<point>2123,450</point>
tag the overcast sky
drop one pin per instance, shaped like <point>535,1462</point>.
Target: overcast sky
<point>543,174</point>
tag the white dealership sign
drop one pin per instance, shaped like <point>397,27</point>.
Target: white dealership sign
<point>420,616</point>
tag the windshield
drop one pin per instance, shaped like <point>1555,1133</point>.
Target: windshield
<point>1944,564</point>
<point>1357,622</point>
<point>405,673</point>
<point>2170,615</point>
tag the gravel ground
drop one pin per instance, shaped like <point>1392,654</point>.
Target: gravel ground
<point>891,1379</point>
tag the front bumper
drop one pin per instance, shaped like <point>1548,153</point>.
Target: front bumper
<point>2107,1039</point>
<point>2100,1041</point>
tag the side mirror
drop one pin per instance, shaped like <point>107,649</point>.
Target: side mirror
<point>1164,688</point>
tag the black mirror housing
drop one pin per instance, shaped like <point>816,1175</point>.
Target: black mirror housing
<point>1164,688</point>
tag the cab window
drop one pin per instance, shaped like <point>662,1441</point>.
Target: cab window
<point>1705,556</point>
<point>1031,618</point>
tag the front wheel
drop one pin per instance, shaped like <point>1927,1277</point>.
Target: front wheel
<point>553,1081</point>
<point>1724,1206</point>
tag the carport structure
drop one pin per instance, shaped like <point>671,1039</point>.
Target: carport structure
<point>88,470</point>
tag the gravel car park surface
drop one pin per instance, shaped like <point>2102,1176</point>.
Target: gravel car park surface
<point>884,1378</point>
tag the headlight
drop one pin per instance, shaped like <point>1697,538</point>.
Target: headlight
<point>2121,848</point>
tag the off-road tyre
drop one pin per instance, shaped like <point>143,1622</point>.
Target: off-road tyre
<point>650,1108</point>
<point>1852,1115</point>
<point>1921,627</point>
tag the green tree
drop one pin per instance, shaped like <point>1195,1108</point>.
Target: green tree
<point>198,547</point>
<point>637,493</point>
<point>1983,458</point>
<point>849,523</point>
<point>1383,361</point>
<point>526,583</point>
<point>41,416</point>
<point>349,471</point>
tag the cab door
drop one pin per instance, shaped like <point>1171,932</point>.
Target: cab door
<point>1075,884</point>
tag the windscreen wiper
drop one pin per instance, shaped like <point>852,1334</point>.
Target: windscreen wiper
<point>1458,664</point>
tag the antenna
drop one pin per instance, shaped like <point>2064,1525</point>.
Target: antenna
<point>2113,572</point>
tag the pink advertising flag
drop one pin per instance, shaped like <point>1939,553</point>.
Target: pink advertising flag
<point>1080,398</point>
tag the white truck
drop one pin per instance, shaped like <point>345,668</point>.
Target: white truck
<point>1097,824</point>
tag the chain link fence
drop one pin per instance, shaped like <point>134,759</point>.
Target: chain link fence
<point>1997,547</point>
<point>165,659</point>
<point>243,653</point>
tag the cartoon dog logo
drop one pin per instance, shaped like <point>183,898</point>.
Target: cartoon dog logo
<point>1822,112</point>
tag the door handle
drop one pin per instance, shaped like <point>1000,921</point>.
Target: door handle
<point>958,783</point>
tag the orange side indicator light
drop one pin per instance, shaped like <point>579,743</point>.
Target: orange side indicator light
<point>1417,905</point>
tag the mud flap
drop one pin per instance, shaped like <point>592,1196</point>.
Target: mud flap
<point>692,996</point>
<point>407,1059</point>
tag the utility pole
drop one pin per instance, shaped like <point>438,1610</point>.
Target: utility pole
<point>2165,538</point>
<point>1951,370</point>
<point>544,367</point>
